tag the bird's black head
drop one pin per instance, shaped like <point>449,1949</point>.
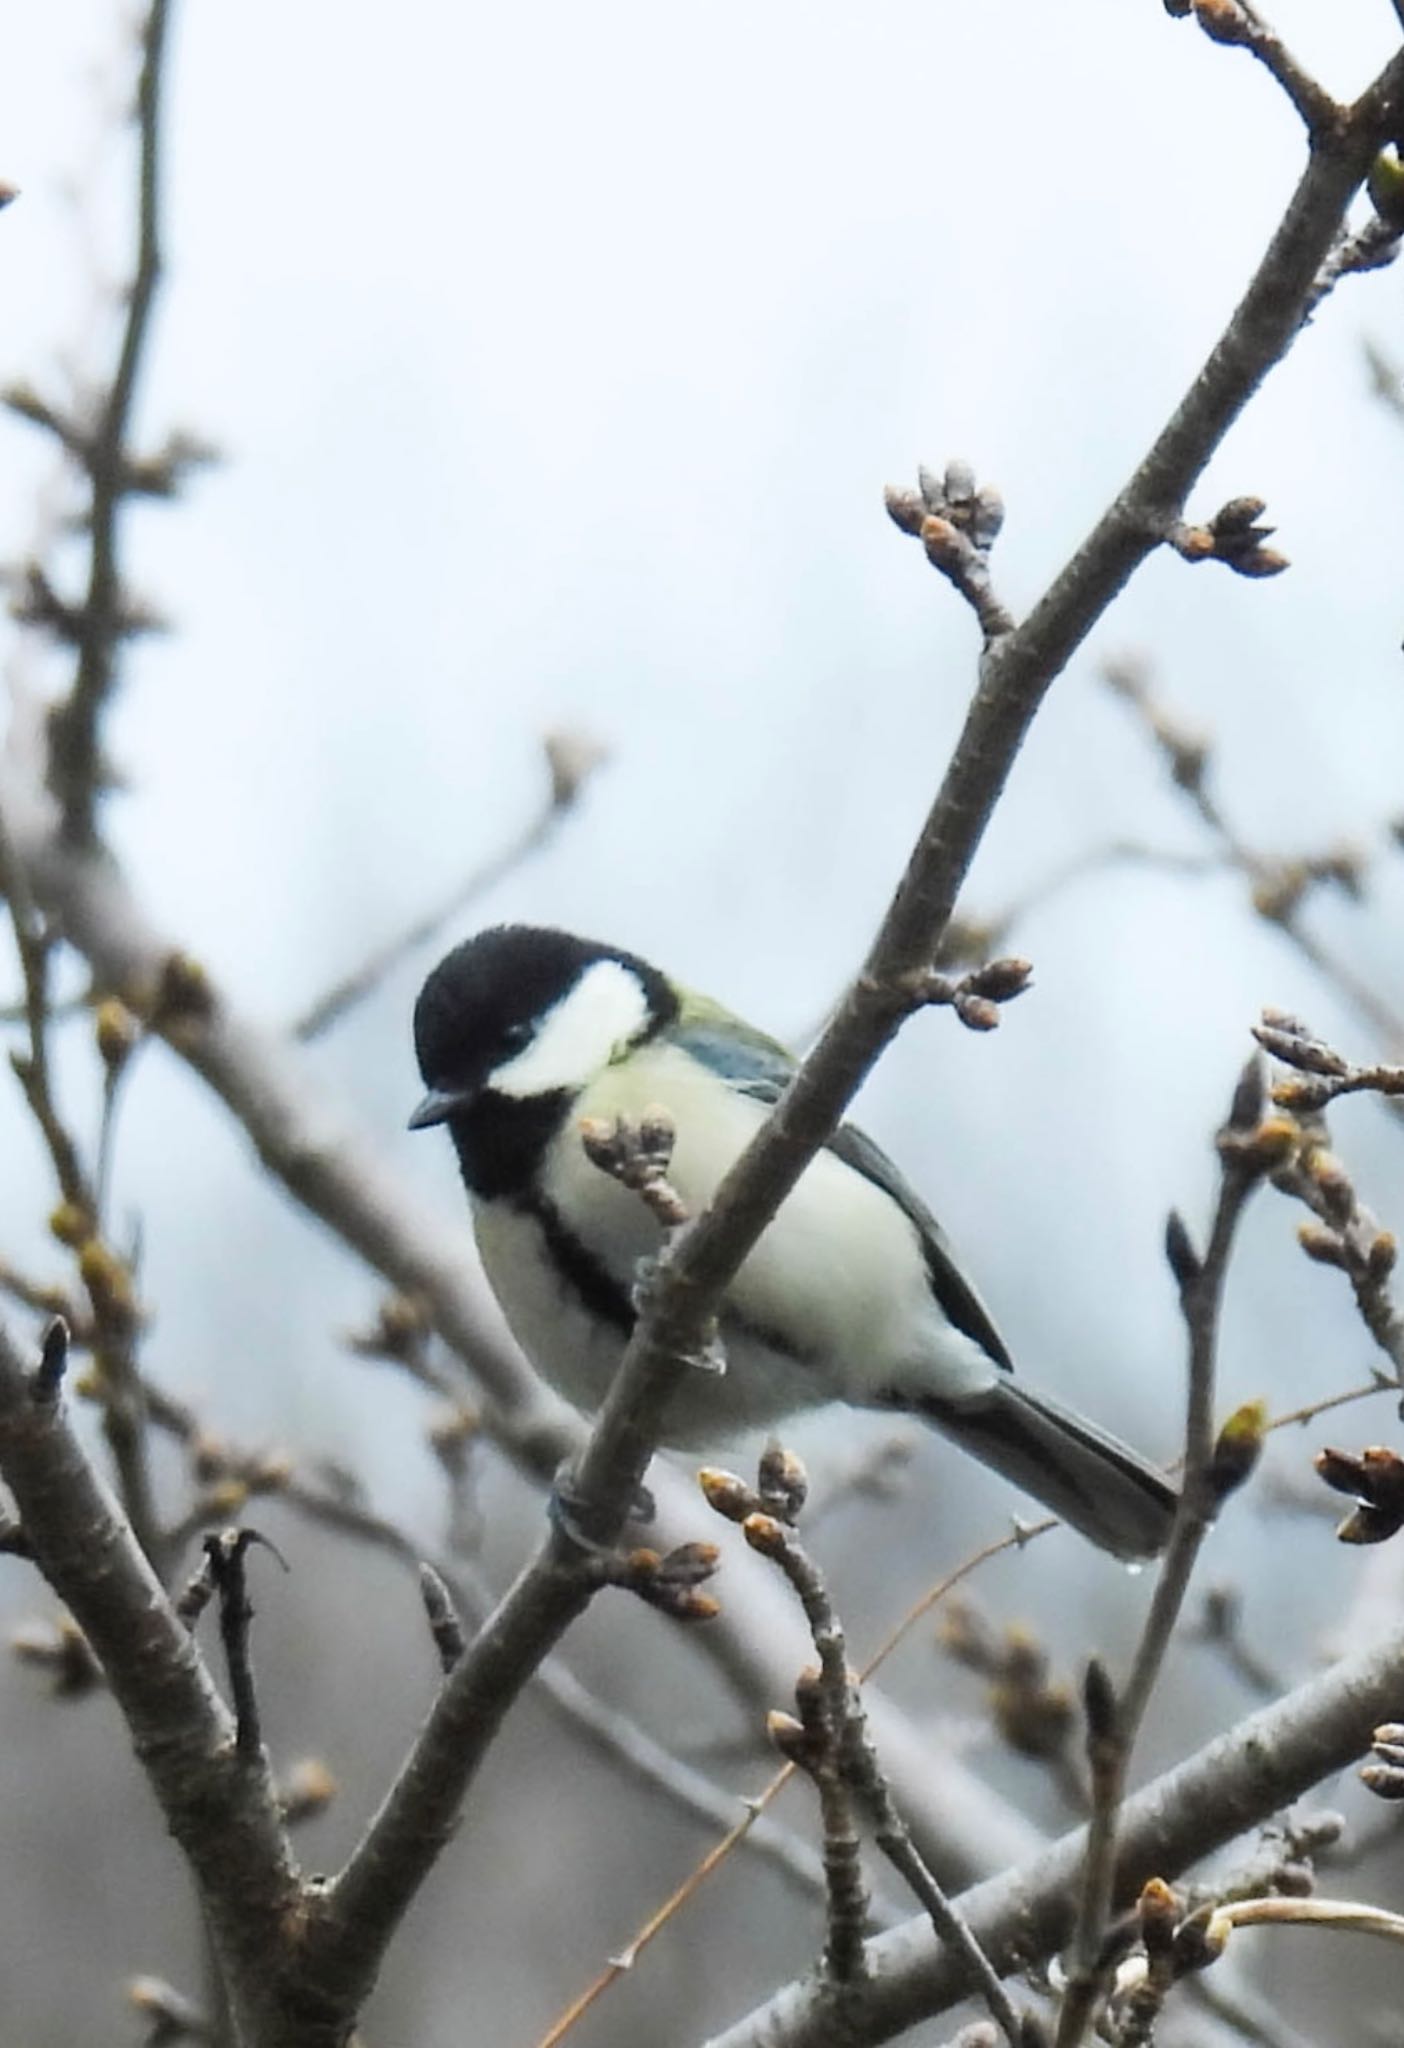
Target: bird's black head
<point>509,1029</point>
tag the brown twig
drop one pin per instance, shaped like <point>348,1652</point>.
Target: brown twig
<point>227,1556</point>
<point>1279,886</point>
<point>227,1476</point>
<point>1114,1719</point>
<point>103,621</point>
<point>106,1278</point>
<point>736,1835</point>
<point>831,1743</point>
<point>974,937</point>
<point>957,523</point>
<point>1239,22</point>
<point>1220,1626</point>
<point>1234,536</point>
<point>894,1839</point>
<point>1386,381</point>
<point>1321,1073</point>
<point>1021,1916</point>
<point>221,1807</point>
<point>1345,1234</point>
<point>570,759</point>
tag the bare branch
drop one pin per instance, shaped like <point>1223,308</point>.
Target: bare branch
<point>305,1145</point>
<point>75,753</point>
<point>1279,885</point>
<point>106,1278</point>
<point>831,1743</point>
<point>221,1807</point>
<point>1239,22</point>
<point>1322,1072</point>
<point>957,524</point>
<point>1345,1235</point>
<point>1016,671</point>
<point>1021,1916</point>
<point>571,759</point>
<point>614,1734</point>
<point>1386,381</point>
<point>1114,1721</point>
<point>720,1851</point>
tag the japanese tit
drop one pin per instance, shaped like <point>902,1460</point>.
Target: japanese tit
<point>852,1293</point>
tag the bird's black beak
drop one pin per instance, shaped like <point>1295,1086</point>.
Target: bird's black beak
<point>439,1105</point>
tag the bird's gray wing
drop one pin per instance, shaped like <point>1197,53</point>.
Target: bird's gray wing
<point>757,1066</point>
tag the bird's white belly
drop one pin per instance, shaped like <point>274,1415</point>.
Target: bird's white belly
<point>579,1353</point>
<point>833,1304</point>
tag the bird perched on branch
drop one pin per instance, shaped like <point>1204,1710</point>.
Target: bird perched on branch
<point>852,1293</point>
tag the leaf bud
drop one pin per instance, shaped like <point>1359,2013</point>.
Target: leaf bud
<point>1238,1448</point>
<point>1322,1245</point>
<point>1222,20</point>
<point>725,1494</point>
<point>1385,185</point>
<point>1180,1252</point>
<point>782,1482</point>
<point>71,1224</point>
<point>765,1533</point>
<point>1099,1703</point>
<point>117,1032</point>
<point>905,509</point>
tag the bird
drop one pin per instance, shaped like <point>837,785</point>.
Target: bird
<point>852,1293</point>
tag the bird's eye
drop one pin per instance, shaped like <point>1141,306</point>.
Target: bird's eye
<point>516,1035</point>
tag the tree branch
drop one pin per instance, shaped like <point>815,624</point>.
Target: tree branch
<point>571,760</point>
<point>1016,672</point>
<point>1022,1916</point>
<point>221,1806</point>
<point>963,1827</point>
<point>1114,1723</point>
<point>100,621</point>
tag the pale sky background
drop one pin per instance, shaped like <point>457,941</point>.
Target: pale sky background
<point>558,357</point>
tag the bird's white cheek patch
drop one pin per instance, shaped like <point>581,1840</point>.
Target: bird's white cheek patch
<point>575,1040</point>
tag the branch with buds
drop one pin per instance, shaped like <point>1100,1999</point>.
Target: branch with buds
<point>976,997</point>
<point>828,1739</point>
<point>957,522</point>
<point>1234,536</point>
<point>1215,1465</point>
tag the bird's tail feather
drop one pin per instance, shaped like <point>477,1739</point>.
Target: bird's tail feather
<point>1084,1475</point>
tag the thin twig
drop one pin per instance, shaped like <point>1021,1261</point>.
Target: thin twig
<point>74,737</point>
<point>1279,886</point>
<point>228,1557</point>
<point>736,1835</point>
<point>571,759</point>
<point>1318,110</point>
<point>113,1316</point>
<point>613,1733</point>
<point>831,1743</point>
<point>948,1923</point>
<point>1020,1917</point>
<point>1114,1721</point>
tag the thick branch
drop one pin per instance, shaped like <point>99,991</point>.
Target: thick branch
<point>220,1806</point>
<point>1234,1783</point>
<point>963,1828</point>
